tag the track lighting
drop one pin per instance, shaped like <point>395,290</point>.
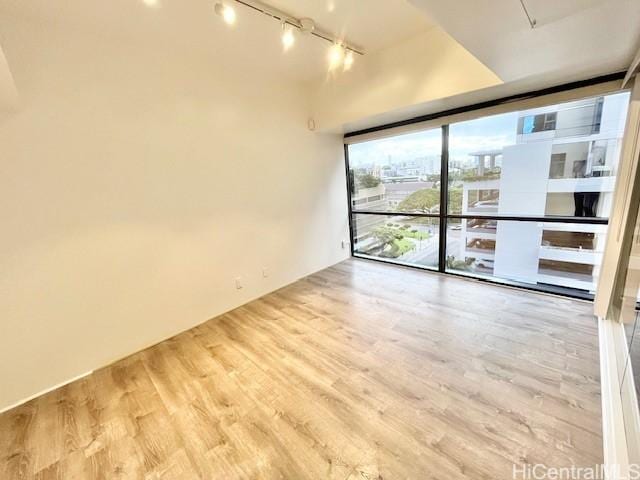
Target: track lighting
<point>227,13</point>
<point>336,56</point>
<point>288,38</point>
<point>307,25</point>
<point>341,53</point>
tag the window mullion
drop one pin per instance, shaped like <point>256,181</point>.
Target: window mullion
<point>444,195</point>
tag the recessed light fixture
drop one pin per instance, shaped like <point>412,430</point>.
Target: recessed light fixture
<point>151,3</point>
<point>227,13</point>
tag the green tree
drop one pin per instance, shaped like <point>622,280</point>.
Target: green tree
<point>393,242</point>
<point>426,200</point>
<point>434,177</point>
<point>489,174</point>
<point>386,235</point>
<point>455,200</point>
<point>366,180</point>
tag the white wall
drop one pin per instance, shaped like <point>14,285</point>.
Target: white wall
<point>8,92</point>
<point>135,184</point>
<point>523,191</point>
<point>426,67</point>
<point>524,178</point>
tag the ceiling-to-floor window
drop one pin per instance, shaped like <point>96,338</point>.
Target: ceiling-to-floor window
<point>401,176</point>
<point>528,195</point>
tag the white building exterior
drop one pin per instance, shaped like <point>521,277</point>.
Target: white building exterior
<point>563,154</point>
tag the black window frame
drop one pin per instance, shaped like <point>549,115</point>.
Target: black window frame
<point>444,216</point>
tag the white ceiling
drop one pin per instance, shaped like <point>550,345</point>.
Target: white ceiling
<point>573,39</point>
<point>374,24</point>
<point>253,42</point>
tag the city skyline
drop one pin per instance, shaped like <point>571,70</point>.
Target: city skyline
<point>490,133</point>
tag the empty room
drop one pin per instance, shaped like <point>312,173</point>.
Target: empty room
<point>320,239</point>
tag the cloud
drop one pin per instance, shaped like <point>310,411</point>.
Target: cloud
<point>488,133</point>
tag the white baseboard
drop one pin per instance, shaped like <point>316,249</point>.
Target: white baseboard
<point>43,392</point>
<point>614,439</point>
<point>620,415</point>
<point>178,332</point>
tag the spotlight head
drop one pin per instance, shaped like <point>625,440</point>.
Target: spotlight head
<point>336,56</point>
<point>307,25</point>
<point>348,60</point>
<point>227,13</point>
<point>288,38</point>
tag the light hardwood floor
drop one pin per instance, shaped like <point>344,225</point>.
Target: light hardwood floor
<point>360,371</point>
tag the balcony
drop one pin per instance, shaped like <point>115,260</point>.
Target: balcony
<point>570,255</point>
<point>589,184</point>
<point>481,226</point>
<point>483,207</point>
<point>566,274</point>
<point>581,247</point>
<point>484,248</point>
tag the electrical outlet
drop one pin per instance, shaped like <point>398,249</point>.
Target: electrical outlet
<point>344,243</point>
<point>265,272</point>
<point>239,283</point>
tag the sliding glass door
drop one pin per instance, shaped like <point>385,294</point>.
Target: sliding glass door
<point>521,198</point>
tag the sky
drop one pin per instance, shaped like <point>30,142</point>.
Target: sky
<point>485,133</point>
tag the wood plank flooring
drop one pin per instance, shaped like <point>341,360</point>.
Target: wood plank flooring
<point>361,371</point>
